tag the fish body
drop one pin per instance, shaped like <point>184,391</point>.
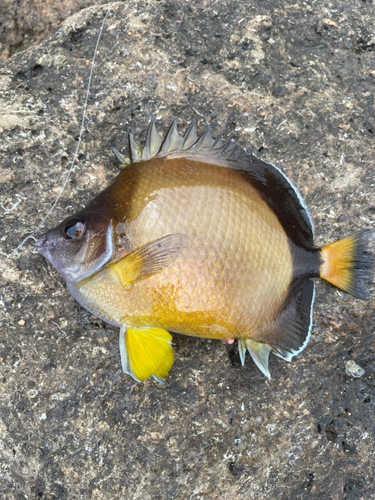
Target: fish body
<point>213,289</point>
<point>199,238</point>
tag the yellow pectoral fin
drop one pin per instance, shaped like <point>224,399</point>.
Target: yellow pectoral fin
<point>146,352</point>
<point>149,259</point>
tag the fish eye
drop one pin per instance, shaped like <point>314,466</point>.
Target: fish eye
<point>74,230</point>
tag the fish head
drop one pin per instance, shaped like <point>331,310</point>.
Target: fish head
<point>79,246</point>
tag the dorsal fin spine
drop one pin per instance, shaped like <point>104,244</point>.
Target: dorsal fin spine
<point>156,146</point>
<point>235,153</point>
<point>204,142</point>
<point>152,143</point>
<point>173,140</point>
<point>190,137</point>
<point>135,149</point>
<point>228,147</point>
<point>260,171</point>
<point>218,144</point>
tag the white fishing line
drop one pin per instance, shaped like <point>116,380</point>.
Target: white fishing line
<point>72,165</point>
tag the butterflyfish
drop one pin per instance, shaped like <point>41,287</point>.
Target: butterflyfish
<point>200,238</point>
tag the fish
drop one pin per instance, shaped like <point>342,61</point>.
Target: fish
<point>198,237</point>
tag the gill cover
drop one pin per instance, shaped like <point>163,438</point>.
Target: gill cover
<point>76,256</point>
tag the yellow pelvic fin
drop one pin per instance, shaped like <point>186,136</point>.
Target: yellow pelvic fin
<point>347,264</point>
<point>149,259</point>
<point>146,352</point>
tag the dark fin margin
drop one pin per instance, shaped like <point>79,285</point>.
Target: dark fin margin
<point>284,199</point>
<point>276,189</point>
<point>289,333</point>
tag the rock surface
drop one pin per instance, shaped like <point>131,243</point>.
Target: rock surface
<point>26,22</point>
<point>293,83</point>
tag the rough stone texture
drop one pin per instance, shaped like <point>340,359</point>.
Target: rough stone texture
<point>293,83</point>
<point>26,22</point>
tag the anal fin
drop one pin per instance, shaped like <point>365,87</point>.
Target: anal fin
<point>146,352</point>
<point>259,352</point>
<point>288,333</point>
<point>242,350</point>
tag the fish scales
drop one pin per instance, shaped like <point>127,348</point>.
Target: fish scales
<point>234,272</point>
<point>198,237</point>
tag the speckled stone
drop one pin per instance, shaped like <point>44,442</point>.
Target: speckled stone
<point>353,370</point>
<point>295,84</point>
<point>26,22</point>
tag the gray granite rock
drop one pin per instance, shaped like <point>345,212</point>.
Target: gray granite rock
<point>26,22</point>
<point>293,83</point>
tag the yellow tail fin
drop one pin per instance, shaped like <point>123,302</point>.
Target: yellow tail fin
<point>347,263</point>
<point>146,352</point>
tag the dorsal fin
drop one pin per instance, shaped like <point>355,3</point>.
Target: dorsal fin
<point>190,137</point>
<point>275,188</point>
<point>135,149</point>
<point>152,143</point>
<point>283,197</point>
<point>205,142</point>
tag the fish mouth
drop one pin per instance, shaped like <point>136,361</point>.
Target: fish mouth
<point>42,244</point>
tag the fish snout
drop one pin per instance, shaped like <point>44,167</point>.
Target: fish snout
<point>42,243</point>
